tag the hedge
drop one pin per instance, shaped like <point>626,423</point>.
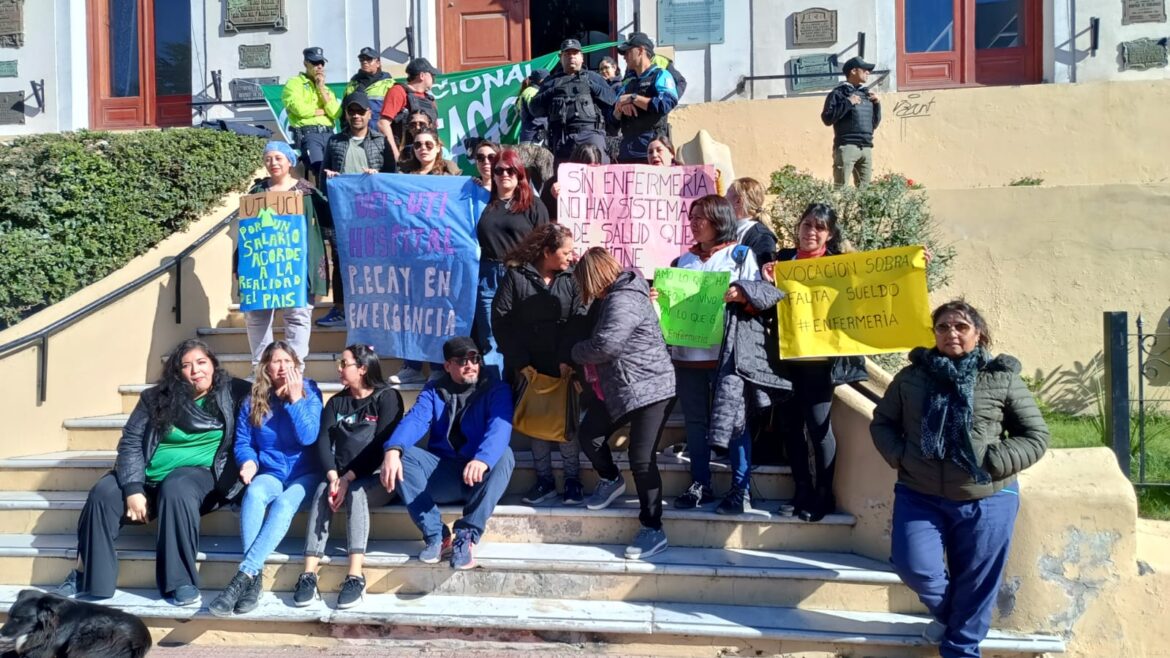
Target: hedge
<point>76,207</point>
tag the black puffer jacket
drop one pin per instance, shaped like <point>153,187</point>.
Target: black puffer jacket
<point>628,349</point>
<point>1008,434</point>
<point>140,439</point>
<point>379,157</point>
<point>531,320</point>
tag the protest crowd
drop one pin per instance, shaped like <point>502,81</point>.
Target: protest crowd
<point>538,311</point>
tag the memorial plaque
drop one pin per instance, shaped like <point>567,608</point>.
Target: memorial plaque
<point>11,24</point>
<point>813,65</point>
<point>690,23</point>
<point>248,89</point>
<point>8,69</point>
<point>814,27</point>
<point>1142,54</point>
<point>1143,11</point>
<point>256,57</point>
<point>254,15</point>
<point>11,108</point>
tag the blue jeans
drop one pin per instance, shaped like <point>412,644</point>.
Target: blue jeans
<point>491,272</point>
<point>417,365</point>
<point>952,554</point>
<point>266,513</point>
<point>695,388</point>
<point>429,481</point>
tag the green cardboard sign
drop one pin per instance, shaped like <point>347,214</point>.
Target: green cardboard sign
<point>690,306</point>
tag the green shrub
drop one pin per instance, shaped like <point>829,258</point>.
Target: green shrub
<point>75,207</point>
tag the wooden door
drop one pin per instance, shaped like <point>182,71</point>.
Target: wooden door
<point>930,43</point>
<point>479,33</point>
<point>171,37</point>
<point>1007,39</point>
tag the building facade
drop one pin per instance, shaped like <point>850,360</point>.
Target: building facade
<point>123,64</point>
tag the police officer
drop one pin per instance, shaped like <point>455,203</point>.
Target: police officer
<point>648,95</point>
<point>576,102</point>
<point>312,110</point>
<point>854,112</point>
<point>533,129</point>
<point>405,100</point>
<point>370,79</point>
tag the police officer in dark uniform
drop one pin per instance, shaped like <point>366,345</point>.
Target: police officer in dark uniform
<point>854,112</point>
<point>576,101</point>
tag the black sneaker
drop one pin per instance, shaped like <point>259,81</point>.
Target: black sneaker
<point>224,605</point>
<point>68,589</point>
<point>251,596</point>
<point>185,595</point>
<point>540,492</point>
<point>306,591</point>
<point>352,590</point>
<point>738,501</point>
<point>574,493</point>
<point>695,495</point>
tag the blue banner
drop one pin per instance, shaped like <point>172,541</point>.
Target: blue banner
<point>409,259</point>
<point>274,261</point>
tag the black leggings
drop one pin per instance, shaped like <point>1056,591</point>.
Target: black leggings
<point>646,425</point>
<point>812,448</point>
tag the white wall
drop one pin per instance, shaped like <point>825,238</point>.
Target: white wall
<point>1070,59</point>
<point>38,60</point>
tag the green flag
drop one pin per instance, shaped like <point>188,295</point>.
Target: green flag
<point>479,103</point>
<point>690,305</point>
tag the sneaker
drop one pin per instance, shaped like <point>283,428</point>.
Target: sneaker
<point>738,501</point>
<point>934,632</point>
<point>648,542</point>
<point>334,318</point>
<point>463,551</point>
<point>574,493</point>
<point>251,596</point>
<point>353,588</point>
<point>436,549</point>
<point>540,492</point>
<point>185,595</point>
<point>407,376</point>
<point>695,495</point>
<point>68,589</point>
<point>225,604</point>
<point>606,492</point>
<point>306,590</point>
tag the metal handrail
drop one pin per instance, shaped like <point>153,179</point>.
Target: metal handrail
<point>41,336</point>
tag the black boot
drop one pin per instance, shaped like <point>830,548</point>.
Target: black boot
<point>225,604</point>
<point>251,596</point>
<point>822,502</point>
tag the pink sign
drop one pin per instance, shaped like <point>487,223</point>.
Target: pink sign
<point>637,212</point>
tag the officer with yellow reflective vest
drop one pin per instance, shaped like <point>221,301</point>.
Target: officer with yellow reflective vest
<point>312,109</point>
<point>370,79</point>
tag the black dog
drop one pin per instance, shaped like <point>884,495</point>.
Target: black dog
<point>49,626</point>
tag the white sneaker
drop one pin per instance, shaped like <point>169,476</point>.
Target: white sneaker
<point>407,376</point>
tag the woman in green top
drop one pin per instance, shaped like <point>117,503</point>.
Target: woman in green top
<point>175,464</point>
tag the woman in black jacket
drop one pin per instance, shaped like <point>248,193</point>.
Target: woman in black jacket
<point>531,315</point>
<point>175,463</point>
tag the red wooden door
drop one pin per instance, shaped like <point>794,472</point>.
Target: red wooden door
<point>479,33</point>
<point>1007,39</point>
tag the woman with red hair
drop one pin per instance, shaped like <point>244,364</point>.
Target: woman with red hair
<point>512,213</point>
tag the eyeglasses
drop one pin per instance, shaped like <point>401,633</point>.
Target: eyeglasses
<point>697,219</point>
<point>365,60</point>
<point>419,124</point>
<point>504,171</point>
<point>424,146</point>
<point>961,328</point>
<point>487,157</point>
<point>342,364</point>
<point>354,110</point>
<point>472,357</point>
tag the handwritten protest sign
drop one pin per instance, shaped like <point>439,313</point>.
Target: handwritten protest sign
<point>690,305</point>
<point>409,259</point>
<point>871,302</point>
<point>273,259</point>
<point>638,212</point>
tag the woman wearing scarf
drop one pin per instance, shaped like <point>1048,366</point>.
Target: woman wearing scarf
<point>958,424</point>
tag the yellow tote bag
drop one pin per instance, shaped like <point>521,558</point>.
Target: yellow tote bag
<point>547,407</point>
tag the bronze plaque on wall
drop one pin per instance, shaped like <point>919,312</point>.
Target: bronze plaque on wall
<point>248,89</point>
<point>11,23</point>
<point>254,15</point>
<point>256,57</point>
<point>11,108</point>
<point>1142,54</point>
<point>8,69</point>
<point>1143,11</point>
<point>814,27</point>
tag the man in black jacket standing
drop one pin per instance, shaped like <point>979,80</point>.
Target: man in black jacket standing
<point>854,112</point>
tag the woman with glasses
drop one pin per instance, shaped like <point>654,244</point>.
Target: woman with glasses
<point>958,424</point>
<point>355,424</point>
<point>426,156</point>
<point>512,213</point>
<point>485,155</point>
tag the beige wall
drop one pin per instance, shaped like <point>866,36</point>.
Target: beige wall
<point>1080,134</point>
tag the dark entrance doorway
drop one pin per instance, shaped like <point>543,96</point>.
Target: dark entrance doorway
<point>590,21</point>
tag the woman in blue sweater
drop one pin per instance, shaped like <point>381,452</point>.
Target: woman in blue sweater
<point>275,431</point>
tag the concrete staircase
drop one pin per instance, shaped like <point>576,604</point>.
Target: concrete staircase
<point>760,582</point>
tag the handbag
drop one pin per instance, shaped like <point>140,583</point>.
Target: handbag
<point>548,407</point>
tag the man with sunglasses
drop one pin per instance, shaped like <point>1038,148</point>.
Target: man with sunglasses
<point>576,102</point>
<point>370,79</point>
<point>312,110</point>
<point>468,424</point>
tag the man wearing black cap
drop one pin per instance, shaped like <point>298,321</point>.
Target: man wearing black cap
<point>468,424</point>
<point>358,149</point>
<point>533,129</point>
<point>854,112</point>
<point>370,79</point>
<point>404,100</point>
<point>576,102</point>
<point>312,110</point>
<point>645,100</point>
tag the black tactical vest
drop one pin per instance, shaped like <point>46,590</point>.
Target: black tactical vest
<point>857,124</point>
<point>572,106</point>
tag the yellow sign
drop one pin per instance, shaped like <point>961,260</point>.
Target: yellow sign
<point>872,302</point>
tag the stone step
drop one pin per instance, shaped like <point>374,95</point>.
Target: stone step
<point>234,339</point>
<point>764,528</point>
<point>235,317</point>
<point>712,575</point>
<point>699,622</point>
<point>78,470</point>
<point>320,366</point>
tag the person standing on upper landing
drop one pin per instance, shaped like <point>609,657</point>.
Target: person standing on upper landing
<point>646,98</point>
<point>312,109</point>
<point>854,112</point>
<point>576,102</point>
